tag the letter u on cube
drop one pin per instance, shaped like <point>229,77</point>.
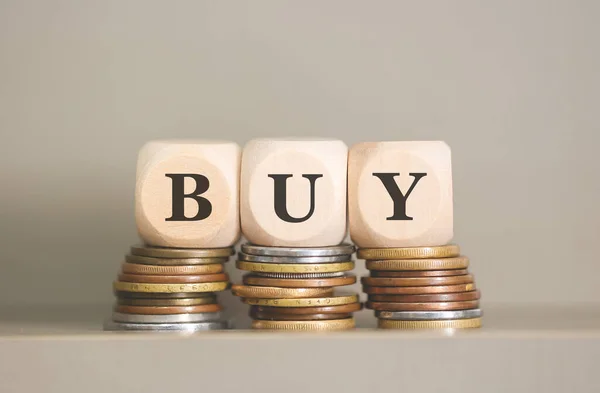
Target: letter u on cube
<point>294,192</point>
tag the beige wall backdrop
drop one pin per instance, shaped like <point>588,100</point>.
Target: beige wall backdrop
<point>512,86</point>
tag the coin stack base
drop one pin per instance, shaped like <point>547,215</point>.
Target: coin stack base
<point>292,288</point>
<point>421,288</point>
<point>170,290</point>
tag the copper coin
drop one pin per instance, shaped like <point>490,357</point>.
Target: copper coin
<point>150,279</point>
<point>162,295</point>
<point>426,298</point>
<point>136,268</point>
<point>168,302</point>
<point>163,310</point>
<point>418,290</point>
<point>425,273</point>
<point>416,281</point>
<point>347,279</point>
<point>297,317</point>
<point>344,309</point>
<point>437,306</point>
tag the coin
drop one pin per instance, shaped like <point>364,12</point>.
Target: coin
<point>162,252</point>
<point>294,260</point>
<point>300,276</point>
<point>292,268</point>
<point>435,306</point>
<point>334,324</point>
<point>335,300</point>
<point>173,279</point>
<point>169,318</point>
<point>449,324</point>
<point>461,262</point>
<point>424,273</point>
<point>418,290</point>
<point>342,249</point>
<point>416,281</point>
<point>166,327</point>
<point>440,297</point>
<point>343,309</point>
<point>167,288</point>
<point>429,315</point>
<point>141,260</point>
<point>162,310</point>
<point>134,268</point>
<point>167,302</point>
<point>252,279</point>
<point>163,295</point>
<point>450,250</point>
<point>300,317</point>
<point>276,293</point>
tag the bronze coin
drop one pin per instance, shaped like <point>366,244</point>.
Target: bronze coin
<point>418,290</point>
<point>424,273</point>
<point>296,317</point>
<point>347,279</point>
<point>416,281</point>
<point>150,279</point>
<point>163,310</point>
<point>438,306</point>
<point>426,298</point>
<point>167,302</point>
<point>162,295</point>
<point>136,268</point>
<point>344,309</point>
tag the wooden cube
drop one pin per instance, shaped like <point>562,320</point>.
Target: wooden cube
<point>400,194</point>
<point>293,192</point>
<point>187,193</point>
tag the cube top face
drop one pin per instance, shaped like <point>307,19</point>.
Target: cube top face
<point>187,193</point>
<point>400,194</point>
<point>293,192</point>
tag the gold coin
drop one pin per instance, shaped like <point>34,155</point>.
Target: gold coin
<point>169,288</point>
<point>164,252</point>
<point>134,268</point>
<point>295,268</point>
<point>460,262</point>
<point>278,292</point>
<point>448,324</point>
<point>167,302</point>
<point>450,250</point>
<point>335,300</point>
<point>304,326</point>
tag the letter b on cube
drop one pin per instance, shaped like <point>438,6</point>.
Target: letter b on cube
<point>400,194</point>
<point>187,194</point>
<point>293,192</point>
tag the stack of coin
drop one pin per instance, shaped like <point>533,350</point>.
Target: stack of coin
<point>169,289</point>
<point>421,287</point>
<point>293,288</point>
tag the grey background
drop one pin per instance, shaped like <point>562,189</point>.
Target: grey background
<point>512,86</point>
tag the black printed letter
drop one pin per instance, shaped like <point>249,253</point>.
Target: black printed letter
<point>281,197</point>
<point>399,199</point>
<point>204,205</point>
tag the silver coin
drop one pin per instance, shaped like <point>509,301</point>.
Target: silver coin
<point>429,315</point>
<point>164,252</point>
<point>342,249</point>
<point>173,261</point>
<point>166,318</point>
<point>166,327</point>
<point>163,295</point>
<point>298,276</point>
<point>265,259</point>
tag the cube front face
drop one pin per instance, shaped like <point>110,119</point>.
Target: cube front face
<point>400,194</point>
<point>187,194</point>
<point>293,192</point>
